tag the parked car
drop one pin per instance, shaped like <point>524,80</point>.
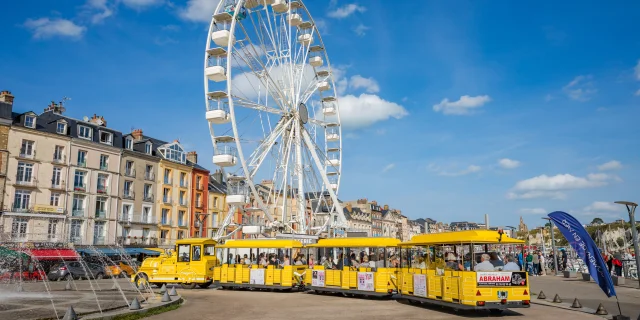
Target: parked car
<point>75,270</point>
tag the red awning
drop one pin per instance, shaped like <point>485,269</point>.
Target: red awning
<point>52,254</point>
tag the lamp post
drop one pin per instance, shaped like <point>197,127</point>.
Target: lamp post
<point>553,247</point>
<point>631,209</point>
<point>200,220</point>
<point>512,235</point>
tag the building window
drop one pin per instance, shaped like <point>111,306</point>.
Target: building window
<point>181,221</point>
<point>165,216</point>
<point>166,195</point>
<point>128,169</point>
<point>82,158</point>
<point>21,200</point>
<point>128,143</point>
<point>55,199</point>
<point>173,152</point>
<point>61,128</point>
<point>181,234</point>
<point>128,188</point>
<point>102,182</point>
<point>85,132</point>
<point>78,205</point>
<point>104,162</point>
<point>27,150</point>
<point>75,231</point>
<point>183,196</point>
<point>19,228</point>
<point>52,229</point>
<point>25,172</point>
<point>56,177</point>
<point>98,232</point>
<point>183,179</point>
<point>148,172</point>
<point>167,176</point>
<point>58,154</point>
<point>126,212</point>
<point>106,137</point>
<point>147,191</point>
<point>215,202</point>
<point>214,220</point>
<point>29,121</point>
<point>199,182</point>
<point>146,214</point>
<point>145,233</point>
<point>147,148</point>
<point>199,200</point>
<point>164,234</point>
<point>79,182</point>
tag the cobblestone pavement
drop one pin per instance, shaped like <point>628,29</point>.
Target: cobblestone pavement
<point>232,304</point>
<point>588,293</point>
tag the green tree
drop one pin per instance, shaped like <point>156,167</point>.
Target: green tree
<point>597,221</point>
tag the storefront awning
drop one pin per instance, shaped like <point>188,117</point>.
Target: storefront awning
<point>99,251</point>
<point>52,254</point>
<point>131,251</point>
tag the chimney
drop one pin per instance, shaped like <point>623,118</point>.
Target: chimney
<point>217,176</point>
<point>192,157</point>
<point>375,203</point>
<point>6,97</point>
<point>137,134</point>
<point>386,207</point>
<point>349,208</point>
<point>98,120</point>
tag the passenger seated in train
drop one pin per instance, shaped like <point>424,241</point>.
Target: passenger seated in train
<point>496,262</point>
<point>452,262</point>
<point>485,265</point>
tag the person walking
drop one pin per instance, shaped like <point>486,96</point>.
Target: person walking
<point>536,263</point>
<point>520,260</point>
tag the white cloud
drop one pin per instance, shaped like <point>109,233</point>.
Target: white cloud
<point>103,10</point>
<point>463,106</point>
<point>603,206</point>
<point>637,71</point>
<point>508,163</point>
<point>470,169</point>
<point>44,28</point>
<point>361,29</point>
<point>611,165</point>
<point>388,167</point>
<point>581,88</point>
<point>141,4</point>
<point>533,211</point>
<point>198,10</point>
<point>321,25</point>
<point>346,11</point>
<point>544,186</point>
<point>638,92</point>
<point>367,109</point>
<point>369,84</point>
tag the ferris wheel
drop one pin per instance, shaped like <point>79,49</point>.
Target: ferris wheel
<point>273,117</point>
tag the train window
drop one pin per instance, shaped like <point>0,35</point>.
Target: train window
<point>196,253</point>
<point>183,252</point>
<point>209,250</point>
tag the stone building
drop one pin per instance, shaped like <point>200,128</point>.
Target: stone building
<point>6,110</point>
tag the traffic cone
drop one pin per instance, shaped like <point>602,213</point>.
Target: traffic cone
<point>601,310</point>
<point>576,304</point>
<point>70,314</point>
<point>163,289</point>
<point>173,292</point>
<point>135,304</point>
<point>165,297</point>
<point>557,299</point>
<point>541,295</point>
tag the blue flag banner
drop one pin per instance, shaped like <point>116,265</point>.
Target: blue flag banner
<point>587,250</point>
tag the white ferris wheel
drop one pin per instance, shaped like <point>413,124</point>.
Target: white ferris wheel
<point>273,116</point>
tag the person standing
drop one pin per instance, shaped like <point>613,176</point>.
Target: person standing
<point>564,259</point>
<point>529,260</point>
<point>617,263</point>
<point>543,266</point>
<point>520,260</point>
<point>536,263</point>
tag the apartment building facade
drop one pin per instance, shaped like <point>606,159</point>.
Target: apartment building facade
<point>217,202</point>
<point>137,190</point>
<point>199,200</point>
<point>6,111</point>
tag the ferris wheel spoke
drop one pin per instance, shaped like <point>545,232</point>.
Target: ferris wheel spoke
<point>245,103</point>
<point>261,152</point>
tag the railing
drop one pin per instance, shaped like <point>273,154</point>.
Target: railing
<point>166,180</point>
<point>128,194</point>
<point>60,185</point>
<point>199,205</point>
<point>166,222</point>
<point>26,155</point>
<point>199,186</point>
<point>138,219</point>
<point>60,159</point>
<point>166,242</point>
<point>138,241</point>
<point>130,172</point>
<point>24,183</point>
<point>149,176</point>
<point>166,200</point>
<point>20,237</point>
<point>183,202</point>
<point>81,188</point>
<point>77,213</point>
<point>181,223</point>
<point>104,167</point>
<point>101,214</point>
<point>147,198</point>
<point>100,240</point>
<point>21,208</point>
<point>102,189</point>
<point>184,184</point>
<point>82,164</point>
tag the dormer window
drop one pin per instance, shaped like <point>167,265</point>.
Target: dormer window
<point>85,132</point>
<point>61,128</point>
<point>29,121</point>
<point>106,137</point>
<point>173,152</point>
<point>147,148</point>
<point>128,143</point>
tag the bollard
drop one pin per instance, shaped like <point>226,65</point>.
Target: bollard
<point>173,292</point>
<point>165,297</point>
<point>541,295</point>
<point>67,286</point>
<point>601,310</point>
<point>135,304</point>
<point>557,299</point>
<point>70,314</point>
<point>576,304</point>
<point>163,289</point>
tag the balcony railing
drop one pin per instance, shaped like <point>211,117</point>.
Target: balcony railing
<point>147,198</point>
<point>104,167</point>
<point>166,222</point>
<point>77,212</point>
<point>183,202</point>
<point>26,183</point>
<point>102,189</point>
<point>60,159</point>
<point>101,214</point>
<point>21,208</point>
<point>199,186</point>
<point>138,241</point>
<point>166,180</point>
<point>82,164</point>
<point>130,172</point>
<point>149,176</point>
<point>138,219</point>
<point>199,205</point>
<point>166,200</point>
<point>128,194</point>
<point>27,155</point>
<point>166,242</point>
<point>81,188</point>
<point>58,185</point>
<point>184,184</point>
<point>99,240</point>
<point>20,237</point>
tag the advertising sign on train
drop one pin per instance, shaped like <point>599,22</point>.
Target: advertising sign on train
<point>365,281</point>
<point>420,285</point>
<point>501,279</point>
<point>256,276</point>
<point>317,278</point>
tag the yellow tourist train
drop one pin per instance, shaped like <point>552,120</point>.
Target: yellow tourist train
<point>460,269</point>
<point>457,269</point>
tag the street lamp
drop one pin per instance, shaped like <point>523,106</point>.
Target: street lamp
<point>553,246</point>
<point>631,209</point>
<point>200,221</point>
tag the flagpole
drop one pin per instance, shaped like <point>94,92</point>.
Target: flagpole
<point>618,302</point>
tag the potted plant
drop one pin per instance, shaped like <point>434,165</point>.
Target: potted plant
<point>617,280</point>
<point>570,274</point>
<point>586,276</point>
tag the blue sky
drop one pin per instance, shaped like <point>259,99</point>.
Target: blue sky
<point>450,109</point>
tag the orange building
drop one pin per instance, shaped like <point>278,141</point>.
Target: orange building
<point>199,191</point>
